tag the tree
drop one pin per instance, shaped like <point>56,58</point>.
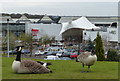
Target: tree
<point>4,44</point>
<point>106,39</point>
<point>90,46</point>
<point>12,39</point>
<point>27,40</point>
<point>45,39</point>
<point>112,55</point>
<point>99,48</point>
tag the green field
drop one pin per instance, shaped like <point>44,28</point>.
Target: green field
<point>64,69</point>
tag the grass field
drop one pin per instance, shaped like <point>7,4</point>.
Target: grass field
<point>64,69</point>
<point>0,68</point>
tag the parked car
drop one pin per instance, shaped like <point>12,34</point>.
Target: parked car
<point>65,58</point>
<point>51,57</point>
<point>59,53</point>
<point>25,51</point>
<point>12,52</point>
<point>70,50</point>
<point>51,51</point>
<point>38,52</point>
<point>74,55</point>
<point>66,54</point>
<point>48,53</point>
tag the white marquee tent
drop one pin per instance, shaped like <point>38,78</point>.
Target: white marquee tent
<point>82,23</point>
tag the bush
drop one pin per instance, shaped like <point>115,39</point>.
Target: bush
<point>112,55</point>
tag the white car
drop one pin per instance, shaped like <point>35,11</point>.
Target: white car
<point>38,52</point>
<point>59,53</point>
<point>52,57</point>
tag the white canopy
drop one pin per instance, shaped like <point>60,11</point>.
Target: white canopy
<point>82,23</point>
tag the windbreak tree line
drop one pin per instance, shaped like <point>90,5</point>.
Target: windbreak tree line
<point>27,41</point>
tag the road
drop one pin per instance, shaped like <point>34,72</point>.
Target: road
<point>28,56</point>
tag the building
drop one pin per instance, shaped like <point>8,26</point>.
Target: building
<point>73,30</point>
<point>24,23</point>
<point>108,25</point>
<point>52,30</point>
<point>51,25</point>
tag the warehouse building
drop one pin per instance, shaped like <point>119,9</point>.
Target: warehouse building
<point>52,25</point>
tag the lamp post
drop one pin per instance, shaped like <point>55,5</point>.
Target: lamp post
<point>108,30</point>
<point>8,37</point>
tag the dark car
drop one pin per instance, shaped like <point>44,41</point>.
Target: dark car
<point>66,54</point>
<point>24,51</point>
<point>12,52</point>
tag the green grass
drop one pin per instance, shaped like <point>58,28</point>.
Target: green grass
<point>0,68</point>
<point>65,69</point>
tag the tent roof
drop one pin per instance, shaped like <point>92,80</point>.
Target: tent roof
<point>82,23</point>
<point>23,17</point>
<point>46,18</point>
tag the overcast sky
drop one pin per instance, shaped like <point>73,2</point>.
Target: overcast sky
<point>62,7</point>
